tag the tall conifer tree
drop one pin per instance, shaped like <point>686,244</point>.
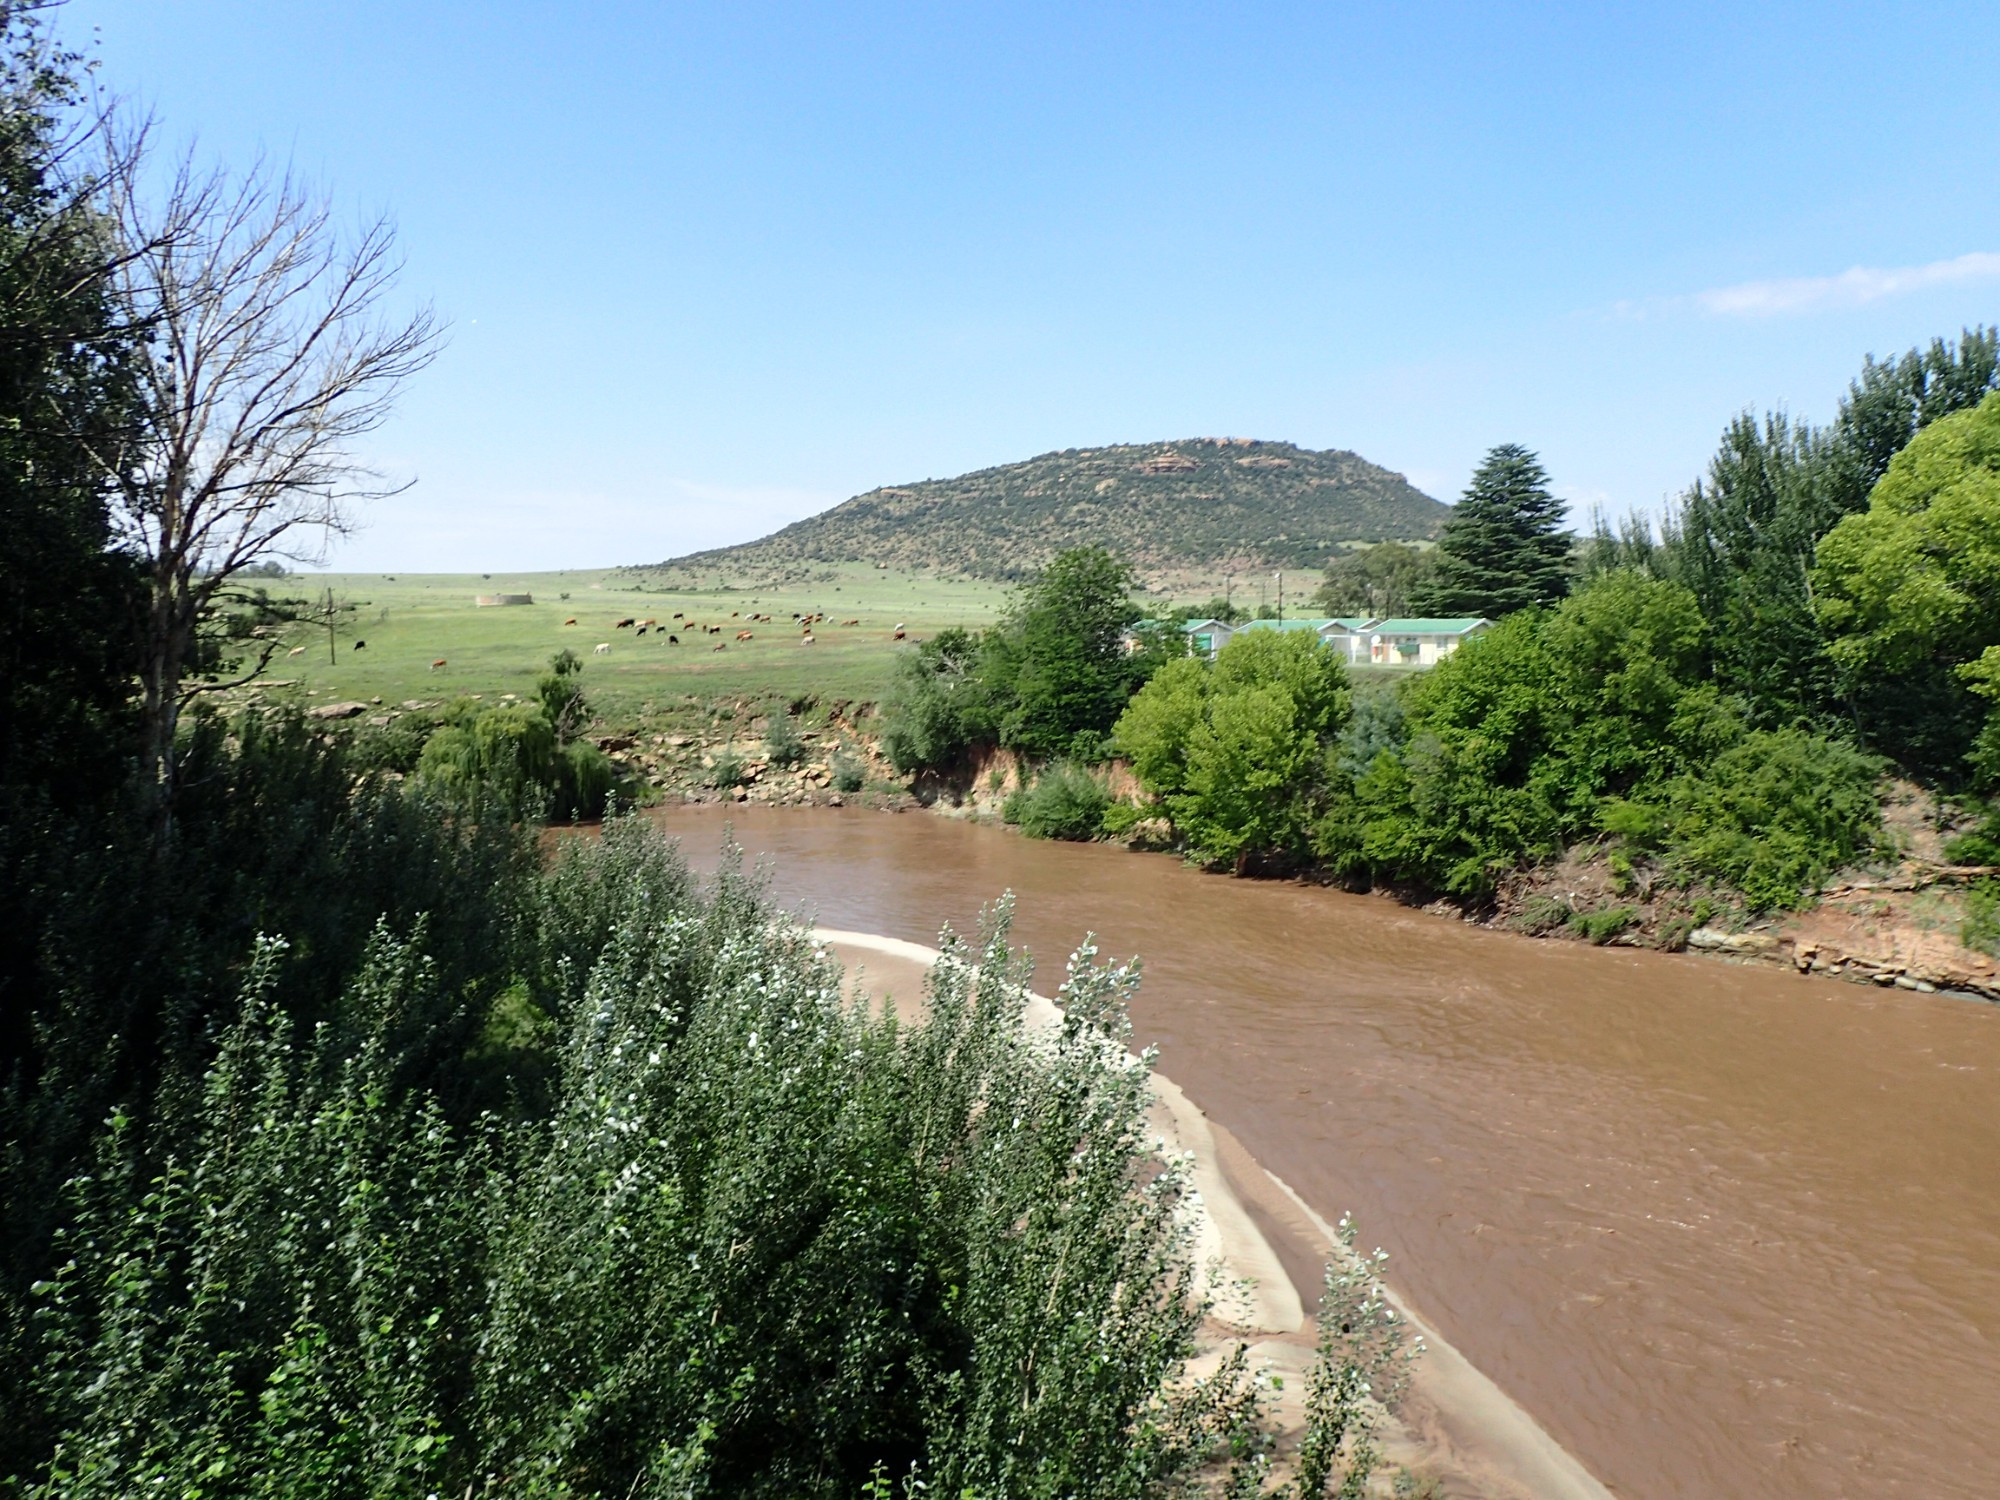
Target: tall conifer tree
<point>1503,547</point>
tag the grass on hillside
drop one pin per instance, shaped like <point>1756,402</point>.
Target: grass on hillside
<point>410,620</point>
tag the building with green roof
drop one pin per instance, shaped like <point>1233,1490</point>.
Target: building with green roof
<point>1414,642</point>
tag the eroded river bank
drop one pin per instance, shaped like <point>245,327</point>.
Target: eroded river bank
<point>1723,1231</point>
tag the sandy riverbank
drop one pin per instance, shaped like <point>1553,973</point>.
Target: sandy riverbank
<point>1455,1424</point>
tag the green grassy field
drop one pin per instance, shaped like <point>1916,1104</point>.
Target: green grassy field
<point>410,620</point>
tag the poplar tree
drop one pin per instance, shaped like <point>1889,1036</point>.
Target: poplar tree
<point>1503,547</point>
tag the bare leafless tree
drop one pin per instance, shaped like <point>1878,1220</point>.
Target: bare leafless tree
<point>270,347</point>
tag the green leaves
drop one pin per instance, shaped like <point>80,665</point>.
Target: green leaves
<point>1239,752</point>
<point>762,1242</point>
<point>1909,590</point>
<point>1502,548</point>
<point>1770,817</point>
<point>1073,674</point>
<point>509,756</point>
<point>1049,680</point>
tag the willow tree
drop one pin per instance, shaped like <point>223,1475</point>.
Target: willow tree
<point>271,346</point>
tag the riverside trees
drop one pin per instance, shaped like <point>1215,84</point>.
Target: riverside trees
<point>1744,537</point>
<point>1049,680</point>
<point>1239,753</point>
<point>1908,591</point>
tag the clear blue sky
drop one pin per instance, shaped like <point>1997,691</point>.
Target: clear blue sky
<point>714,267</point>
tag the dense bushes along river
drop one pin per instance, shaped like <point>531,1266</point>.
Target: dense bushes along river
<point>1714,708</point>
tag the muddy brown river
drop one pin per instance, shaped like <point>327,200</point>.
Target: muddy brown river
<point>1724,1231</point>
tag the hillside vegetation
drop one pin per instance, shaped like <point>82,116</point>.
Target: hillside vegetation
<point>1195,503</point>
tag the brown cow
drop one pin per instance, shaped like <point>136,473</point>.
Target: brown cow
<point>623,624</point>
<point>570,621</point>
<point>850,622</point>
<point>438,665</point>
<point>742,635</point>
<point>720,646</point>
<point>897,636</point>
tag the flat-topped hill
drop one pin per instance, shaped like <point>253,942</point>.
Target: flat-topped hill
<point>1200,502</point>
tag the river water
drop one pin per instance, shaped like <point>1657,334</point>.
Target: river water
<point>1725,1231</point>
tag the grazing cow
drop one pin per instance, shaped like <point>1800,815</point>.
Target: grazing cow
<point>438,665</point>
<point>643,624</point>
<point>720,646</point>
<point>570,621</point>
<point>734,614</point>
<point>678,615</point>
<point>360,645</point>
<point>642,630</point>
<point>897,636</point>
<point>806,640</point>
<point>673,640</point>
<point>624,624</point>
<point>850,622</point>
<point>296,651</point>
<point>602,648</point>
<point>742,635</point>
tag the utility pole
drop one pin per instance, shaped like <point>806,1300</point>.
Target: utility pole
<point>1280,576</point>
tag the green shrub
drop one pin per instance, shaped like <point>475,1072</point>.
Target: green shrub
<point>1120,818</point>
<point>782,745</point>
<point>507,756</point>
<point>1981,928</point>
<point>940,702</point>
<point>1604,924</point>
<point>397,746</point>
<point>1375,726</point>
<point>726,770</point>
<point>1410,1485</point>
<point>849,773</point>
<point>1542,914</point>
<point>584,778</point>
<point>561,695</point>
<point>1064,802</point>
<point>1770,817</point>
